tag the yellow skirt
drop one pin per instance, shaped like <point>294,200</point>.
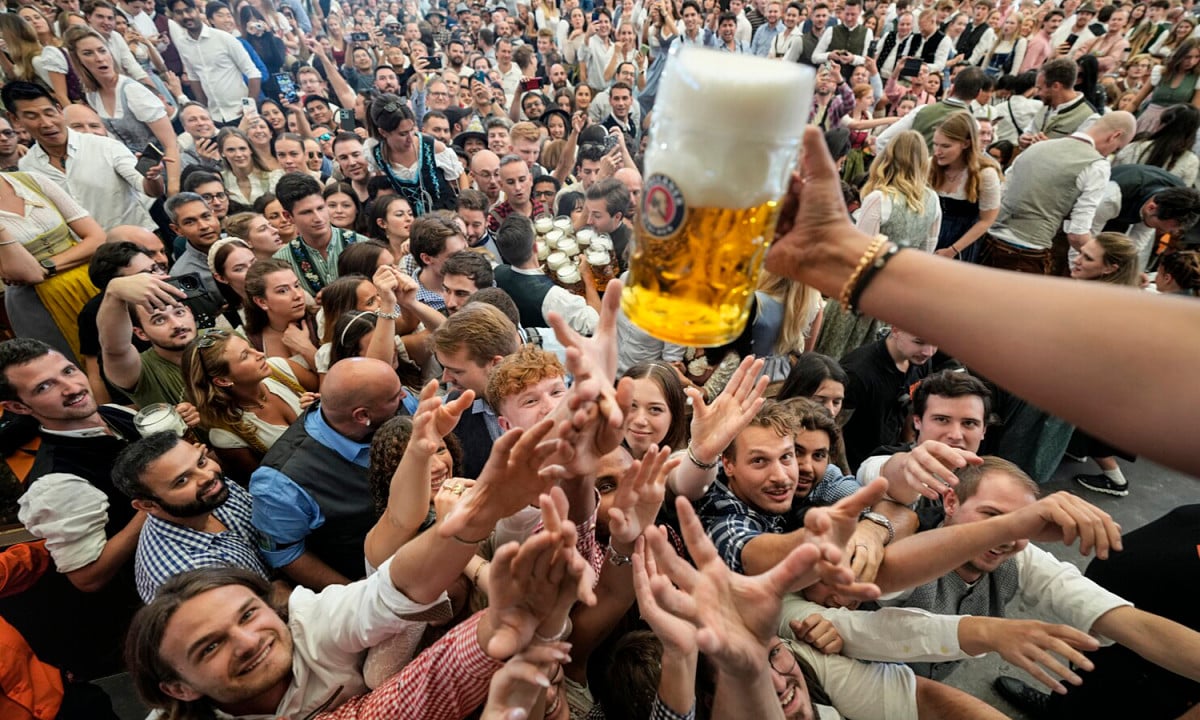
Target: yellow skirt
<point>64,296</point>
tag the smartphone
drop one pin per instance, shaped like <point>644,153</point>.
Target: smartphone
<point>912,68</point>
<point>360,37</point>
<point>644,49</point>
<point>531,84</point>
<point>287,87</point>
<point>190,284</point>
<point>152,155</point>
<point>346,119</point>
<point>595,15</point>
<point>248,106</point>
<point>433,63</point>
<point>481,76</point>
<point>610,142</point>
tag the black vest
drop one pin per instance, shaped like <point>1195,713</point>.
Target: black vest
<point>472,433</point>
<point>930,46</point>
<point>339,487</point>
<point>969,39</point>
<point>1138,184</point>
<point>889,42</point>
<point>77,631</point>
<point>527,291</point>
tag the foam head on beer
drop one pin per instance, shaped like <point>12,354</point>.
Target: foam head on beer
<point>723,117</point>
<point>724,141</point>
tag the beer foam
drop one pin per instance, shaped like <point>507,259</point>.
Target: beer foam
<point>727,128</point>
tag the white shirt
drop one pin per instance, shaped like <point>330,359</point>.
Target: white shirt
<point>745,31</point>
<point>101,174</point>
<point>906,123</point>
<point>50,60</point>
<point>782,43</point>
<point>142,103</point>
<point>1109,207</point>
<point>1013,116</point>
<point>39,217</point>
<point>68,512</point>
<point>218,61</point>
<point>267,433</point>
<point>580,316</point>
<point>1053,591</point>
<point>940,55</point>
<point>863,691</point>
<point>821,52</point>
<point>331,632</point>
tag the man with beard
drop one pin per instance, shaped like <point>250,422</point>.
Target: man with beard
<point>71,503</point>
<point>149,308</point>
<point>195,518</point>
<point>312,504</point>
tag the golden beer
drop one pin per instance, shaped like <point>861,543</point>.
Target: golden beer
<point>695,289</point>
<point>723,143</point>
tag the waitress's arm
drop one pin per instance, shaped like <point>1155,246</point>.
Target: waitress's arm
<point>16,263</point>
<point>91,237</point>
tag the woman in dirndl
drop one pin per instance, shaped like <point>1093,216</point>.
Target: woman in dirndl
<point>46,243</point>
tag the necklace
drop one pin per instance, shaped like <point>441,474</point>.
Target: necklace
<point>260,403</point>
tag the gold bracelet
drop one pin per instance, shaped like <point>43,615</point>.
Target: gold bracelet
<point>848,289</point>
<point>478,569</point>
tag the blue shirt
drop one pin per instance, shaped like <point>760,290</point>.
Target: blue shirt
<point>166,549</point>
<point>761,43</point>
<point>284,512</point>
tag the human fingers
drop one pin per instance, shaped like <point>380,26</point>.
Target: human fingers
<point>862,499</point>
<point>698,544</point>
<point>666,562</point>
<point>802,627</point>
<point>825,638</point>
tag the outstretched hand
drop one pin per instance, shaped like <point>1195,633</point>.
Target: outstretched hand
<point>715,425</point>
<point>512,478</point>
<point>639,495</point>
<point>733,615</point>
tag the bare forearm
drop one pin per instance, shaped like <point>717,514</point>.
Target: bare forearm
<point>929,555</point>
<point>936,701</point>
<point>992,334</point>
<point>677,682</point>
<point>746,697</point>
<point>122,365</point>
<point>423,568</point>
<point>1163,642</point>
<point>766,551</point>
<point>591,625</point>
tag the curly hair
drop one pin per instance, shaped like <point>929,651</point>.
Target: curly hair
<point>523,369</point>
<point>387,449</point>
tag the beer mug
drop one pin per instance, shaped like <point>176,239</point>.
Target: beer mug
<point>724,141</point>
<point>159,417</point>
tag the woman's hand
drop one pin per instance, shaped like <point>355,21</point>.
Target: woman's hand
<point>189,414</point>
<point>449,495</point>
<point>307,399</point>
<point>296,339</point>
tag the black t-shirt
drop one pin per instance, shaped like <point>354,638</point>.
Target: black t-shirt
<point>879,398</point>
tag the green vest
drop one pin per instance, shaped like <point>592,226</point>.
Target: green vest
<point>1030,214</point>
<point>853,40</point>
<point>930,117</point>
<point>1066,121</point>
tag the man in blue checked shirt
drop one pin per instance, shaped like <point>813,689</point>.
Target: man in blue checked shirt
<point>195,517</point>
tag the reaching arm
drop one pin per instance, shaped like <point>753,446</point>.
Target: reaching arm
<point>936,701</point>
<point>1163,642</point>
<point>991,332</point>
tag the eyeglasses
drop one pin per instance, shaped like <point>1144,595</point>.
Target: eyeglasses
<point>313,155</point>
<point>544,193</point>
<point>324,137</point>
<point>209,197</point>
<point>781,658</point>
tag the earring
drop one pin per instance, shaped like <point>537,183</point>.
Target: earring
<point>368,422</point>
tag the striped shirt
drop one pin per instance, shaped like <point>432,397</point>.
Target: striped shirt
<point>166,549</point>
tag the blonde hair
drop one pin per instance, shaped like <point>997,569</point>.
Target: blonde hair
<point>901,170</point>
<point>1119,250</point>
<point>202,363</point>
<point>23,45</point>
<point>798,299</point>
<point>525,131</point>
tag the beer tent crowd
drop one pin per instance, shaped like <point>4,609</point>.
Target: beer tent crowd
<point>320,402</point>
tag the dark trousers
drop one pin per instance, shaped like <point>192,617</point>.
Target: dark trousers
<point>1003,256</point>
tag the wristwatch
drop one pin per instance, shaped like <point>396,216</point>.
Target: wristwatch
<point>616,558</point>
<point>879,519</point>
<point>50,268</point>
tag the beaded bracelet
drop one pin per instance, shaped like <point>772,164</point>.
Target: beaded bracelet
<point>848,289</point>
<point>869,274</point>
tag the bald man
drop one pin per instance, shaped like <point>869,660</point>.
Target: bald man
<point>485,171</point>
<point>632,180</point>
<point>312,501</point>
<point>82,118</point>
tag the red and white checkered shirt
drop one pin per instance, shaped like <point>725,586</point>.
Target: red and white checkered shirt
<point>446,682</point>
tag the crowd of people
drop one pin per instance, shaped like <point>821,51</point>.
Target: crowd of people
<point>333,412</point>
